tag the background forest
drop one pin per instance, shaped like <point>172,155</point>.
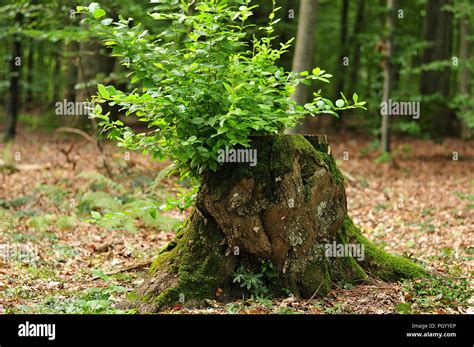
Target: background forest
<point>431,59</point>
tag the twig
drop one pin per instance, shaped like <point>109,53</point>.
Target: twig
<point>77,132</point>
<point>312,296</point>
<point>127,268</point>
<point>96,142</point>
<point>23,167</point>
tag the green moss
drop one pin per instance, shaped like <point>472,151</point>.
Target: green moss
<point>170,246</point>
<point>346,268</point>
<point>231,173</point>
<point>275,155</point>
<point>331,165</point>
<point>315,279</point>
<point>283,150</point>
<point>197,261</point>
<point>379,263</point>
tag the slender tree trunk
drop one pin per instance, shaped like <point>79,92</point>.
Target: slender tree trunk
<point>388,76</point>
<point>72,71</point>
<point>14,90</point>
<point>343,44</point>
<point>464,73</point>
<point>438,32</point>
<point>303,59</point>
<point>339,122</point>
<point>57,84</point>
<point>355,61</point>
<point>90,64</point>
<point>29,78</point>
<point>30,68</point>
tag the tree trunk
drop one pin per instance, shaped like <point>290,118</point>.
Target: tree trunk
<point>388,76</point>
<point>437,117</point>
<point>29,77</point>
<point>303,59</point>
<point>72,71</point>
<point>275,220</point>
<point>338,123</point>
<point>14,90</point>
<point>90,64</point>
<point>343,42</point>
<point>57,82</point>
<point>355,61</point>
<point>464,73</point>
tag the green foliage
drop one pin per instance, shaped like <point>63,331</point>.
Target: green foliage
<point>464,104</point>
<point>383,158</point>
<point>431,293</point>
<point>14,203</point>
<point>66,222</point>
<point>110,212</point>
<point>256,283</point>
<point>97,181</point>
<point>54,193</point>
<point>98,201</point>
<point>41,223</point>
<point>184,199</point>
<point>207,87</point>
<point>92,301</point>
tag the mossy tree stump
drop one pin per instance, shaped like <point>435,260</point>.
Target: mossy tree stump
<point>282,212</point>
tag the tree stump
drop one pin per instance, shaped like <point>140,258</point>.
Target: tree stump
<point>276,221</point>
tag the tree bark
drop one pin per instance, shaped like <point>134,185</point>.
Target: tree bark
<point>343,44</point>
<point>282,213</point>
<point>14,90</point>
<point>464,73</point>
<point>338,123</point>
<point>355,43</point>
<point>90,64</point>
<point>72,71</point>
<point>388,76</point>
<point>303,59</point>
<point>30,68</point>
<point>57,82</point>
<point>436,83</point>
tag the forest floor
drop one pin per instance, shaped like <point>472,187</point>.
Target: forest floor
<point>74,240</point>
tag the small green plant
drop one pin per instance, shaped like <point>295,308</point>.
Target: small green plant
<point>66,222</point>
<point>403,308</point>
<point>184,199</point>
<point>98,182</point>
<point>427,227</point>
<point>437,292</point>
<point>92,301</point>
<point>251,282</point>
<point>337,308</point>
<point>42,223</point>
<point>55,194</point>
<point>370,148</point>
<point>467,197</point>
<point>383,158</point>
<point>256,283</point>
<point>14,203</point>
<point>203,84</point>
